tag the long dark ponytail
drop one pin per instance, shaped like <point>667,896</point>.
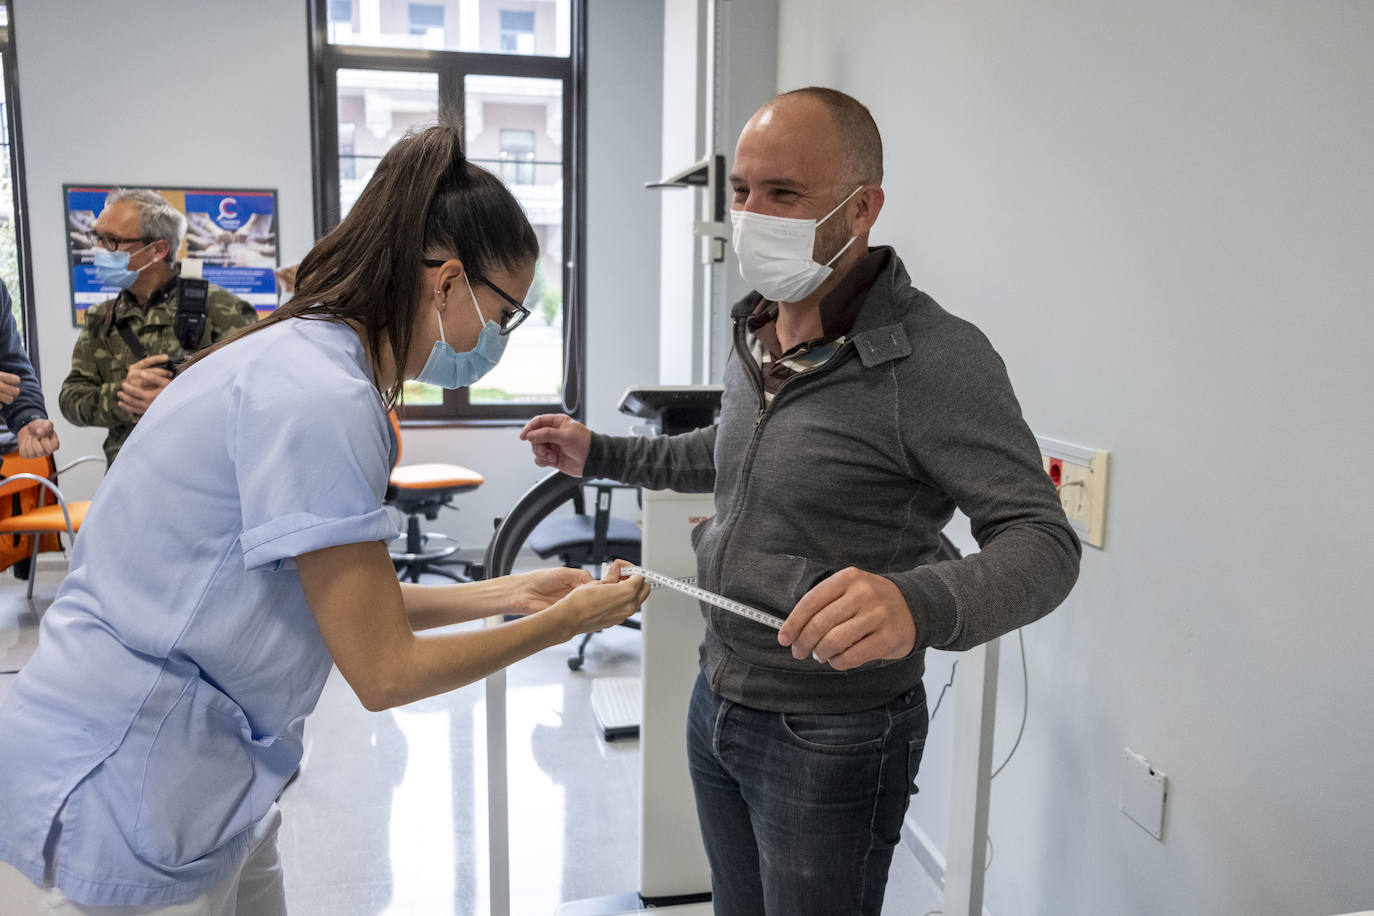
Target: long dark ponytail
<point>424,200</point>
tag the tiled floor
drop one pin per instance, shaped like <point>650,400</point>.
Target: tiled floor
<point>389,813</point>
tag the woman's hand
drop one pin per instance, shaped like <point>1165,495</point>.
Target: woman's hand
<point>536,590</point>
<point>598,605</point>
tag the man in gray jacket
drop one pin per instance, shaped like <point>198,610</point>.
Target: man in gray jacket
<point>857,414</point>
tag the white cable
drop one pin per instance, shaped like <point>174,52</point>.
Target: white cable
<point>1025,706</point>
<point>941,698</point>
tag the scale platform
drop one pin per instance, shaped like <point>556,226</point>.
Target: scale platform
<point>617,705</point>
<point>624,904</point>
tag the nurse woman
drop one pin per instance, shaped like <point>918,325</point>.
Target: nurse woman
<point>236,552</point>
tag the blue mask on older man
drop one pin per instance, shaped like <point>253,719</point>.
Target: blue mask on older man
<point>112,267</point>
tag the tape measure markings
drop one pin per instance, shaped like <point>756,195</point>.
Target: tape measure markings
<point>701,594</point>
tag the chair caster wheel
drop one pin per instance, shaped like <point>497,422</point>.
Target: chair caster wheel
<point>574,664</point>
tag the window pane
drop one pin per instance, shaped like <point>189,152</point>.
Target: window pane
<point>541,27</point>
<point>376,108</point>
<point>418,394</point>
<point>9,248</point>
<point>515,128</point>
<point>427,18</point>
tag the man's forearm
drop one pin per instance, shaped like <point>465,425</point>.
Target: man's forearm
<point>685,463</point>
<point>87,404</point>
<point>23,410</point>
<point>1015,579</point>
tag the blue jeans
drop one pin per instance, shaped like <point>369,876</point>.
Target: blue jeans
<point>800,812</point>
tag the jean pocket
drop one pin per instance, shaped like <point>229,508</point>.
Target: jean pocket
<point>915,750</point>
<point>856,732</point>
<point>196,793</point>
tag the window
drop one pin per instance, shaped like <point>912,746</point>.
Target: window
<point>427,19</point>
<point>539,28</point>
<point>517,31</point>
<point>348,169</point>
<point>517,156</point>
<point>14,240</point>
<point>522,120</point>
<point>375,109</point>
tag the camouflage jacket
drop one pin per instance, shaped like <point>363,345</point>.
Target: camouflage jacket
<point>101,357</point>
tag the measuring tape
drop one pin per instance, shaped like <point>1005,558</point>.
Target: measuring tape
<point>701,594</point>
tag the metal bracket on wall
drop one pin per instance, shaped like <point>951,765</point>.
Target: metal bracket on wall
<point>708,173</point>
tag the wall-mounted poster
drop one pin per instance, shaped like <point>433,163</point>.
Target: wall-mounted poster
<point>232,233</point>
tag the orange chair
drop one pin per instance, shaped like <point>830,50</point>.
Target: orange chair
<point>57,518</point>
<point>424,489</point>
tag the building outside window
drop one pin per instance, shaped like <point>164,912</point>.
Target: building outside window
<point>393,66</point>
<point>517,156</point>
<point>427,19</point>
<point>517,31</point>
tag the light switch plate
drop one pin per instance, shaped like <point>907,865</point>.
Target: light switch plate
<point>1143,791</point>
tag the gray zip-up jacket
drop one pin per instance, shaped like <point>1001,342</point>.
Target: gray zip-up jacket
<point>861,462</point>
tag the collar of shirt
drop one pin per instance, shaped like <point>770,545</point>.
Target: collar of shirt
<point>839,308</point>
<point>126,305</point>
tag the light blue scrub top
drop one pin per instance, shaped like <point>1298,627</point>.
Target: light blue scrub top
<point>175,668</point>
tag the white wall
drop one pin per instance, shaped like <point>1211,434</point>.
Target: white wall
<point>624,111</point>
<point>1163,216</point>
<point>749,64</point>
<point>217,94</point>
<point>149,93</point>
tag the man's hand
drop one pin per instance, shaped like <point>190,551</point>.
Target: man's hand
<point>9,387</point>
<point>37,439</point>
<point>145,381</point>
<point>851,618</point>
<point>559,442</point>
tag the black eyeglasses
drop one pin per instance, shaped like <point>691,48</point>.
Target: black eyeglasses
<point>511,317</point>
<point>112,242</point>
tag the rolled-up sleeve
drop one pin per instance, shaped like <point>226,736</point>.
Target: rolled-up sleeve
<point>312,470</point>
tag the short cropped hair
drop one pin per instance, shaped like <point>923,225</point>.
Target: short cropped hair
<point>858,132</point>
<point>157,219</point>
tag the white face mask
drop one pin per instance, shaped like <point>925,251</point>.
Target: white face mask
<point>775,253</point>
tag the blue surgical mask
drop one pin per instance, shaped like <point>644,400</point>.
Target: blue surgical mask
<point>449,369</point>
<point>112,267</point>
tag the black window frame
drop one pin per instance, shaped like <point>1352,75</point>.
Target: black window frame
<point>23,247</point>
<point>452,68</point>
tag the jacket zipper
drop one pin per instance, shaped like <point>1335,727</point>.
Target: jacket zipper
<point>742,352</point>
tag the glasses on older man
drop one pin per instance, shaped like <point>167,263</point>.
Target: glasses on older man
<point>510,317</point>
<point>112,242</point>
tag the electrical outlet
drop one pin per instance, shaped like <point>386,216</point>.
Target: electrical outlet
<point>1080,475</point>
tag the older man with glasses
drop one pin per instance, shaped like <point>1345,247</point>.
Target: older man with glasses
<point>130,345</point>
